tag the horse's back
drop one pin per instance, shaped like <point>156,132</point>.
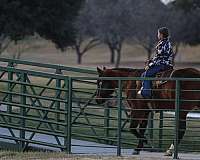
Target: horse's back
<point>186,73</point>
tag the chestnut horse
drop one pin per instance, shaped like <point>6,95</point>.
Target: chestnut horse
<point>140,108</point>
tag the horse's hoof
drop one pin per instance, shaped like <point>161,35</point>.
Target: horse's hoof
<point>168,153</point>
<point>135,152</point>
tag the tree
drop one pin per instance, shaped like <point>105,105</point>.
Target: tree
<point>85,38</point>
<point>16,49</point>
<point>186,5</point>
<point>109,24</point>
<point>52,20</point>
<point>149,16</point>
<point>186,28</point>
<point>4,43</point>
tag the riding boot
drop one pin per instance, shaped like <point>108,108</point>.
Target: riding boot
<point>139,93</point>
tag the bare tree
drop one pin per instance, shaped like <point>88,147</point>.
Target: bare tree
<point>176,27</point>
<point>149,16</point>
<point>4,43</point>
<point>110,25</point>
<point>184,22</point>
<point>83,45</point>
<point>16,48</point>
<point>85,38</point>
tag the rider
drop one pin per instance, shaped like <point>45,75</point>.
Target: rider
<point>162,60</point>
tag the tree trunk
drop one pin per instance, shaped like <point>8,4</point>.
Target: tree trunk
<point>4,46</point>
<point>118,50</point>
<point>79,60</point>
<point>112,53</point>
<point>149,54</point>
<point>176,50</point>
<point>118,58</point>
<point>79,54</point>
<point>112,56</point>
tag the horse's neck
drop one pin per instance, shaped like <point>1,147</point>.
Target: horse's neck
<point>130,73</point>
<point>128,86</point>
<point>123,74</point>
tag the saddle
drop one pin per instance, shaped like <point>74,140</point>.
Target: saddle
<point>163,74</point>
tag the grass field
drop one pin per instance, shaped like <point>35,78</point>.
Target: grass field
<point>45,52</point>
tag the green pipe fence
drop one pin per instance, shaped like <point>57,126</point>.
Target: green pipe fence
<point>62,104</point>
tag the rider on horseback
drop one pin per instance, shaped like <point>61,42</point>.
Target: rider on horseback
<point>162,60</point>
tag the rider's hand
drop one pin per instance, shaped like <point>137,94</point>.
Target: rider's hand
<point>146,68</point>
<point>147,62</point>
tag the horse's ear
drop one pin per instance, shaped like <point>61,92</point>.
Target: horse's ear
<point>99,71</point>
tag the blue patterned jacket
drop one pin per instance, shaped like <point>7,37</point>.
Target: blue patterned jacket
<point>164,54</point>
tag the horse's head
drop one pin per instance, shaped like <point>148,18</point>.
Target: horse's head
<point>105,88</point>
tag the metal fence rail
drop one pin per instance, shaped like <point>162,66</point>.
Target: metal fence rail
<point>110,124</point>
<point>36,102</point>
<point>31,108</point>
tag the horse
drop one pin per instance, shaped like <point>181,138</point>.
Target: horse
<point>140,108</point>
<point>105,89</point>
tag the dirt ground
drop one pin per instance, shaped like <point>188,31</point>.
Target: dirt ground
<point>63,156</point>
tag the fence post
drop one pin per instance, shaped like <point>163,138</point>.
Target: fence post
<point>68,116</point>
<point>177,110</point>
<point>23,110</point>
<point>160,130</point>
<point>58,92</point>
<point>10,78</point>
<point>151,118</point>
<point>107,121</point>
<point>119,97</point>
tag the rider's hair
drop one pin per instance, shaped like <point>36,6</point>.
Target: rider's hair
<point>164,31</point>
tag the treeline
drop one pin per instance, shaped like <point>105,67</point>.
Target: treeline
<point>50,19</point>
<point>83,25</point>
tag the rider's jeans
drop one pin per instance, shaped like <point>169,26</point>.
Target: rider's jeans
<point>147,84</point>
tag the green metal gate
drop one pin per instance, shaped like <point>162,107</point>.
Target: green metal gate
<point>59,101</point>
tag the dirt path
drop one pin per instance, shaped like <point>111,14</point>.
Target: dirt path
<point>62,156</point>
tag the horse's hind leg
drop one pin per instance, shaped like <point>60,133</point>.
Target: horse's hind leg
<point>142,129</point>
<point>142,139</point>
<point>133,129</point>
<point>181,132</point>
<point>182,128</point>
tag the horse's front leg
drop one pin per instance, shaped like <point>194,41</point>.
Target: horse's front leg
<point>142,127</point>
